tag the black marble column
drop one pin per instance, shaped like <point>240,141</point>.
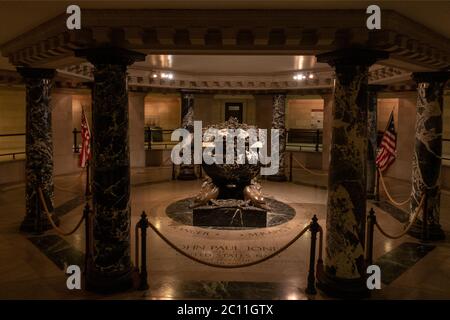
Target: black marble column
<point>426,166</point>
<point>279,122</point>
<point>111,267</point>
<point>39,145</point>
<point>344,269</point>
<point>372,132</point>
<point>187,171</point>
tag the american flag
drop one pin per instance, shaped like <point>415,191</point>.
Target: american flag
<point>386,153</point>
<point>85,154</point>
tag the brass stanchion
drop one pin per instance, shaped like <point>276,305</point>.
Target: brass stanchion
<point>425,217</point>
<point>370,225</point>
<point>173,171</point>
<point>75,143</point>
<point>87,231</point>
<point>38,217</point>
<point>143,224</point>
<point>317,140</point>
<point>314,228</point>
<point>290,166</point>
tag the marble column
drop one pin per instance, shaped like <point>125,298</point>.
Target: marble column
<point>426,166</point>
<point>111,267</point>
<point>344,270</point>
<point>279,122</point>
<point>372,133</point>
<point>187,171</point>
<point>38,145</point>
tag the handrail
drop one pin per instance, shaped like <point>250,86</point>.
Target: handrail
<point>13,154</point>
<point>11,134</point>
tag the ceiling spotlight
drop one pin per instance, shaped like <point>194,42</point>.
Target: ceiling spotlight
<point>311,76</point>
<point>299,76</point>
<point>167,75</point>
<point>155,75</point>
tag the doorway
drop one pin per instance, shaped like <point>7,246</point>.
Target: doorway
<point>233,109</point>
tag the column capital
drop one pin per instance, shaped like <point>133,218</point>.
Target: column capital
<point>326,96</point>
<point>141,94</point>
<point>110,55</point>
<point>89,84</point>
<point>36,73</point>
<point>438,76</point>
<point>183,92</point>
<point>278,93</point>
<point>352,56</point>
<point>376,87</point>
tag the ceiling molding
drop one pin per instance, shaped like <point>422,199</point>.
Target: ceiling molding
<point>75,76</point>
<point>299,32</point>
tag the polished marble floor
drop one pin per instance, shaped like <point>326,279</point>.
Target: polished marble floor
<point>32,267</point>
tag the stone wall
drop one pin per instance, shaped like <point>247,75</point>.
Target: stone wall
<point>299,112</point>
<point>163,110</point>
<point>12,120</point>
<point>208,108</point>
<point>65,161</point>
<point>136,110</point>
<point>263,117</point>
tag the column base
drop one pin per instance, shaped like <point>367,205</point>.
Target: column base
<point>187,173</point>
<point>277,178</point>
<point>435,231</point>
<point>342,288</point>
<point>30,225</point>
<point>110,283</point>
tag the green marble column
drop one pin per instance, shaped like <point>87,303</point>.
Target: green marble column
<point>187,171</point>
<point>344,269</point>
<point>426,166</point>
<point>38,145</point>
<point>111,267</point>
<point>372,132</point>
<point>279,122</point>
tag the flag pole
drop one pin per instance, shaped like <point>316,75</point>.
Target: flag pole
<point>377,184</point>
<point>377,176</point>
<point>87,191</point>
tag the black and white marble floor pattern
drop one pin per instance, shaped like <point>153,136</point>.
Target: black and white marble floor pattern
<point>35,267</point>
